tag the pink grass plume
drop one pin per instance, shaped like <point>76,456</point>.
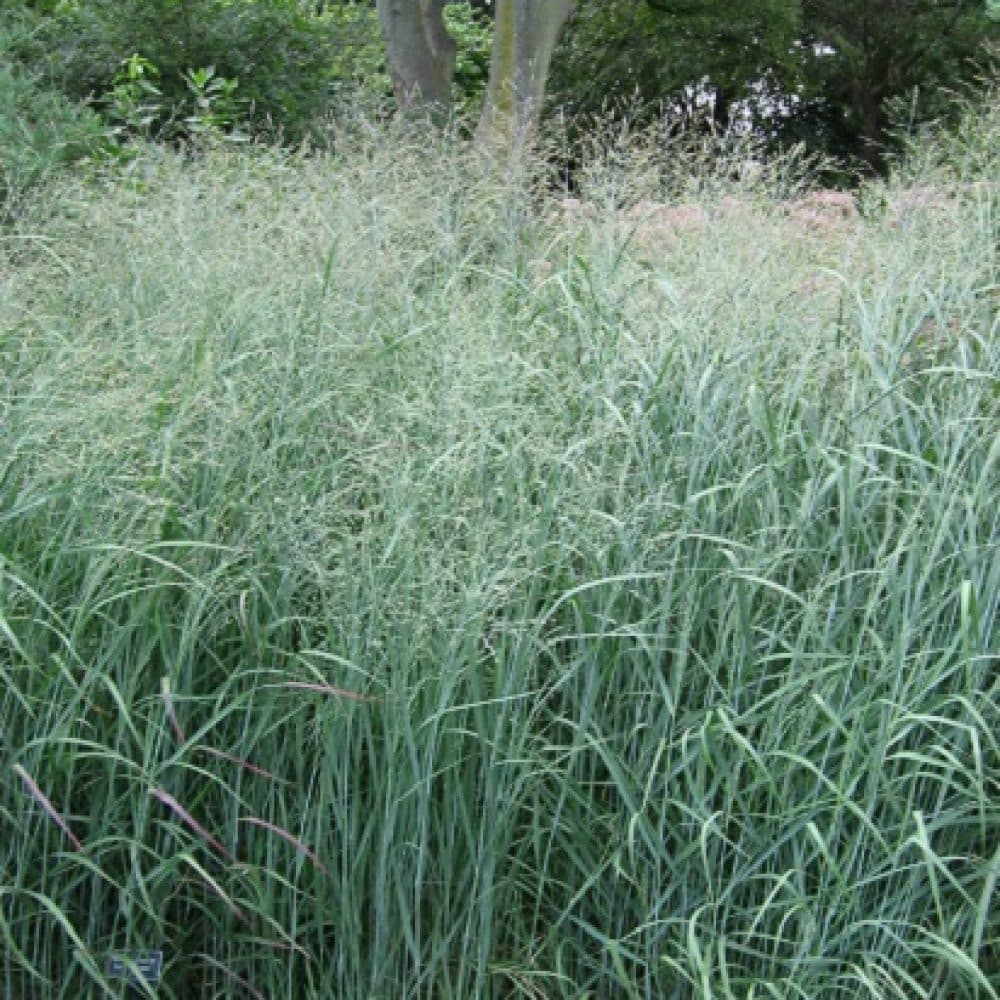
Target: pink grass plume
<point>40,797</point>
<point>241,762</point>
<point>171,714</point>
<point>327,689</point>
<point>285,835</point>
<point>168,800</point>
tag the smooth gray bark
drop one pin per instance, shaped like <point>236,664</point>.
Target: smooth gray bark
<point>422,60</point>
<point>525,34</point>
<point>421,52</point>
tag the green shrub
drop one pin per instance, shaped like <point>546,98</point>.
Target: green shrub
<point>474,38</point>
<point>289,66</point>
<point>285,62</point>
<point>40,131</point>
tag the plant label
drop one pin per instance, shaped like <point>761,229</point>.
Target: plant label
<point>134,965</point>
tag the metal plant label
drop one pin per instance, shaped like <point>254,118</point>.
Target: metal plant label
<point>136,965</point>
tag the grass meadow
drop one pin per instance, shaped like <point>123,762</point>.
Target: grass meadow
<point>415,586</point>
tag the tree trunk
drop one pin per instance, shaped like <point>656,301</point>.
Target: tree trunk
<point>868,99</point>
<point>720,110</point>
<point>525,33</point>
<point>421,52</point>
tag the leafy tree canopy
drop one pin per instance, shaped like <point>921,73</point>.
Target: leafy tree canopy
<point>661,51</point>
<point>837,75</point>
<point>873,63</point>
<point>834,74</point>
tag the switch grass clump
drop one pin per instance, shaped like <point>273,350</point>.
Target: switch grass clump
<point>408,592</point>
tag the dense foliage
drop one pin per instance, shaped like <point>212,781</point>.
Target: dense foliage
<point>639,56</point>
<point>286,64</point>
<point>837,76</point>
<point>876,66</point>
<point>41,130</point>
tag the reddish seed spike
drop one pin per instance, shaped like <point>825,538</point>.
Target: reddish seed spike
<point>50,809</point>
<point>240,762</point>
<point>232,975</point>
<point>327,689</point>
<point>168,800</point>
<point>287,945</point>
<point>285,835</point>
<point>171,715</point>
